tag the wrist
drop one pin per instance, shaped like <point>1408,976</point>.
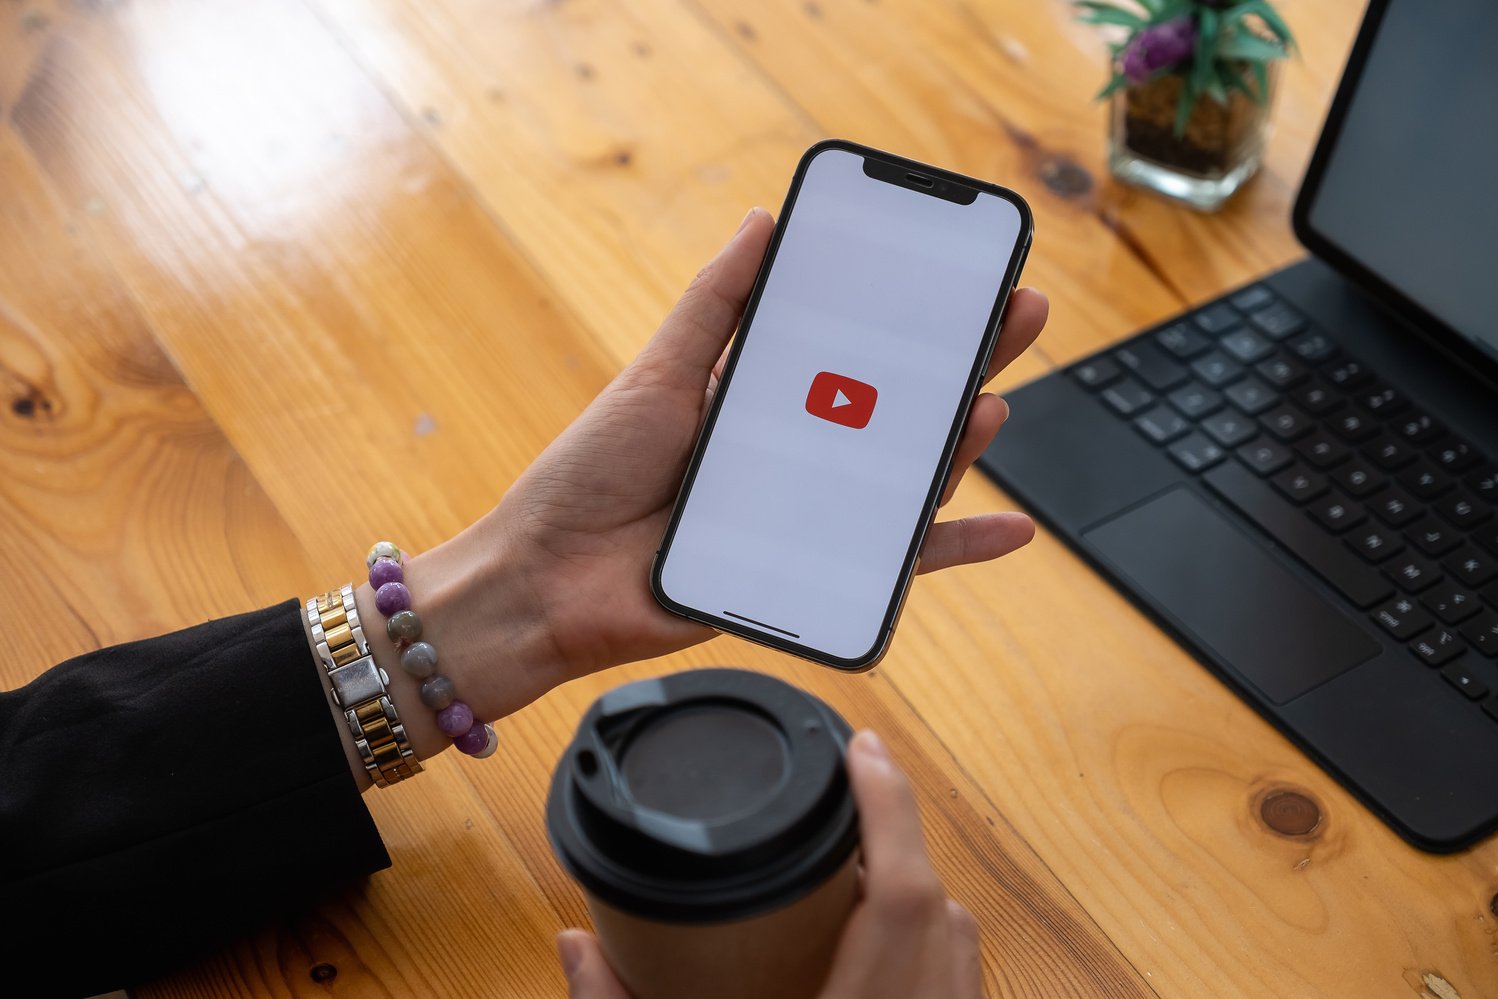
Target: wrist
<point>478,610</point>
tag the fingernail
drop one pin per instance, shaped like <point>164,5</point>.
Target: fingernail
<point>570,950</point>
<point>744,224</point>
<point>872,746</point>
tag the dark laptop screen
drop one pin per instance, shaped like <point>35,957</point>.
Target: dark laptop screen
<point>1410,189</point>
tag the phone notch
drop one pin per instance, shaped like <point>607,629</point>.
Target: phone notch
<point>921,182</point>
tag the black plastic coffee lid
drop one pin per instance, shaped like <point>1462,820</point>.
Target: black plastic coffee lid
<point>704,796</point>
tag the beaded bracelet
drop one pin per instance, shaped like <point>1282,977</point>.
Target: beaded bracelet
<point>418,658</point>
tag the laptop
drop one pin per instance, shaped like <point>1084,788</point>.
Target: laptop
<point>1298,480</point>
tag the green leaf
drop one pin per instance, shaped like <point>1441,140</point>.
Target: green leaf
<point>1183,109</point>
<point>1170,10</point>
<point>1250,47</point>
<point>1261,79</point>
<point>1271,18</point>
<point>1203,58</point>
<point>1118,80</point>
<point>1233,80</point>
<point>1112,15</point>
<point>1217,91</point>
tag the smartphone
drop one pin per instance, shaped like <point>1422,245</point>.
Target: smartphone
<point>831,434</point>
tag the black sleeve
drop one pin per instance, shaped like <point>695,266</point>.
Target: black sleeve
<point>158,797</point>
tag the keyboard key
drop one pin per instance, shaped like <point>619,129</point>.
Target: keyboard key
<point>1438,646</point>
<point>1229,427</point>
<point>1433,537</point>
<point>1389,453</point>
<point>1451,603</point>
<point>1096,373</point>
<point>1127,397</point>
<point>1195,400</point>
<point>1282,372</point>
<point>1314,347</point>
<point>1472,567</point>
<point>1183,341</point>
<point>1196,453</point>
<point>1337,513</point>
<point>1251,395</point>
<point>1393,506</point>
<point>1482,632</point>
<point>1488,538</point>
<point>1151,365</point>
<point>1358,478</point>
<point>1277,322</point>
<point>1425,481</point>
<point>1218,318</point>
<point>1353,425</point>
<point>1347,373</point>
<point>1300,485</point>
<point>1322,451</point>
<point>1412,573</point>
<point>1375,543</point>
<point>1265,456</point>
<point>1298,534</point>
<point>1286,422</point>
<point>1484,484</point>
<point>1246,346</point>
<point>1464,678</point>
<point>1462,510</point>
<point>1217,369</point>
<point>1252,298</point>
<point>1417,428</point>
<point>1403,618</point>
<point>1454,455</point>
<point>1161,424</point>
<point>1317,398</point>
<point>1382,400</point>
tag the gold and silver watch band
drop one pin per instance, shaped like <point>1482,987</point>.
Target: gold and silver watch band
<point>360,688</point>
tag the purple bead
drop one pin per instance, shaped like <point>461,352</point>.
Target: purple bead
<point>386,570</point>
<point>392,598</point>
<point>455,719</point>
<point>474,740</point>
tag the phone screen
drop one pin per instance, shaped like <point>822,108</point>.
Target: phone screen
<point>834,419</point>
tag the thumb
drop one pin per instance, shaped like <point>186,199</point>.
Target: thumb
<point>691,339</point>
<point>588,974</point>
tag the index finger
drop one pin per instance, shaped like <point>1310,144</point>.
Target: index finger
<point>894,847</point>
<point>1023,321</point>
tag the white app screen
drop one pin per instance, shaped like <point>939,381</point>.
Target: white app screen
<point>831,432</point>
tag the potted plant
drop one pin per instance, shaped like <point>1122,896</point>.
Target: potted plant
<point>1192,82</point>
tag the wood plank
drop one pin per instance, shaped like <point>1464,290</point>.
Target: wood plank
<point>310,265</point>
<point>1138,778</point>
<point>248,242</point>
<point>125,512</point>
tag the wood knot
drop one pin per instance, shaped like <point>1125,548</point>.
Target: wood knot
<point>29,406</point>
<point>1290,813</point>
<point>1064,176</point>
<point>1493,905</point>
<point>323,973</point>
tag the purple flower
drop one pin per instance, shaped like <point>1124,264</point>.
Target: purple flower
<point>1160,46</point>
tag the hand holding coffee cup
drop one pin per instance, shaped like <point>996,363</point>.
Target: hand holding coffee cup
<point>800,925</point>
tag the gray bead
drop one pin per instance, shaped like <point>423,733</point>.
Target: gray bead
<point>419,659</point>
<point>403,624</point>
<point>437,692</point>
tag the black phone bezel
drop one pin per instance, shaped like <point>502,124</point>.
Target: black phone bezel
<point>899,164</point>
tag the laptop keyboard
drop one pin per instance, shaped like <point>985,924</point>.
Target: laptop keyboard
<point>1373,494</point>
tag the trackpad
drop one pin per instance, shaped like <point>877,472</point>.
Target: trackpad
<point>1223,589</point>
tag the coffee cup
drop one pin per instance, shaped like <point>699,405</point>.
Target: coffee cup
<point>708,818</point>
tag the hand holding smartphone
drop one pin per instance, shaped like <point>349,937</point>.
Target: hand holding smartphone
<point>833,429</point>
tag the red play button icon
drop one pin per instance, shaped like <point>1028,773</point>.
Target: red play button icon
<point>840,399</point>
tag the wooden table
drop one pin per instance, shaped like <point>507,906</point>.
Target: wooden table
<point>444,225</point>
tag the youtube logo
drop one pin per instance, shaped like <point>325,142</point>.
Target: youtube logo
<point>840,399</point>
